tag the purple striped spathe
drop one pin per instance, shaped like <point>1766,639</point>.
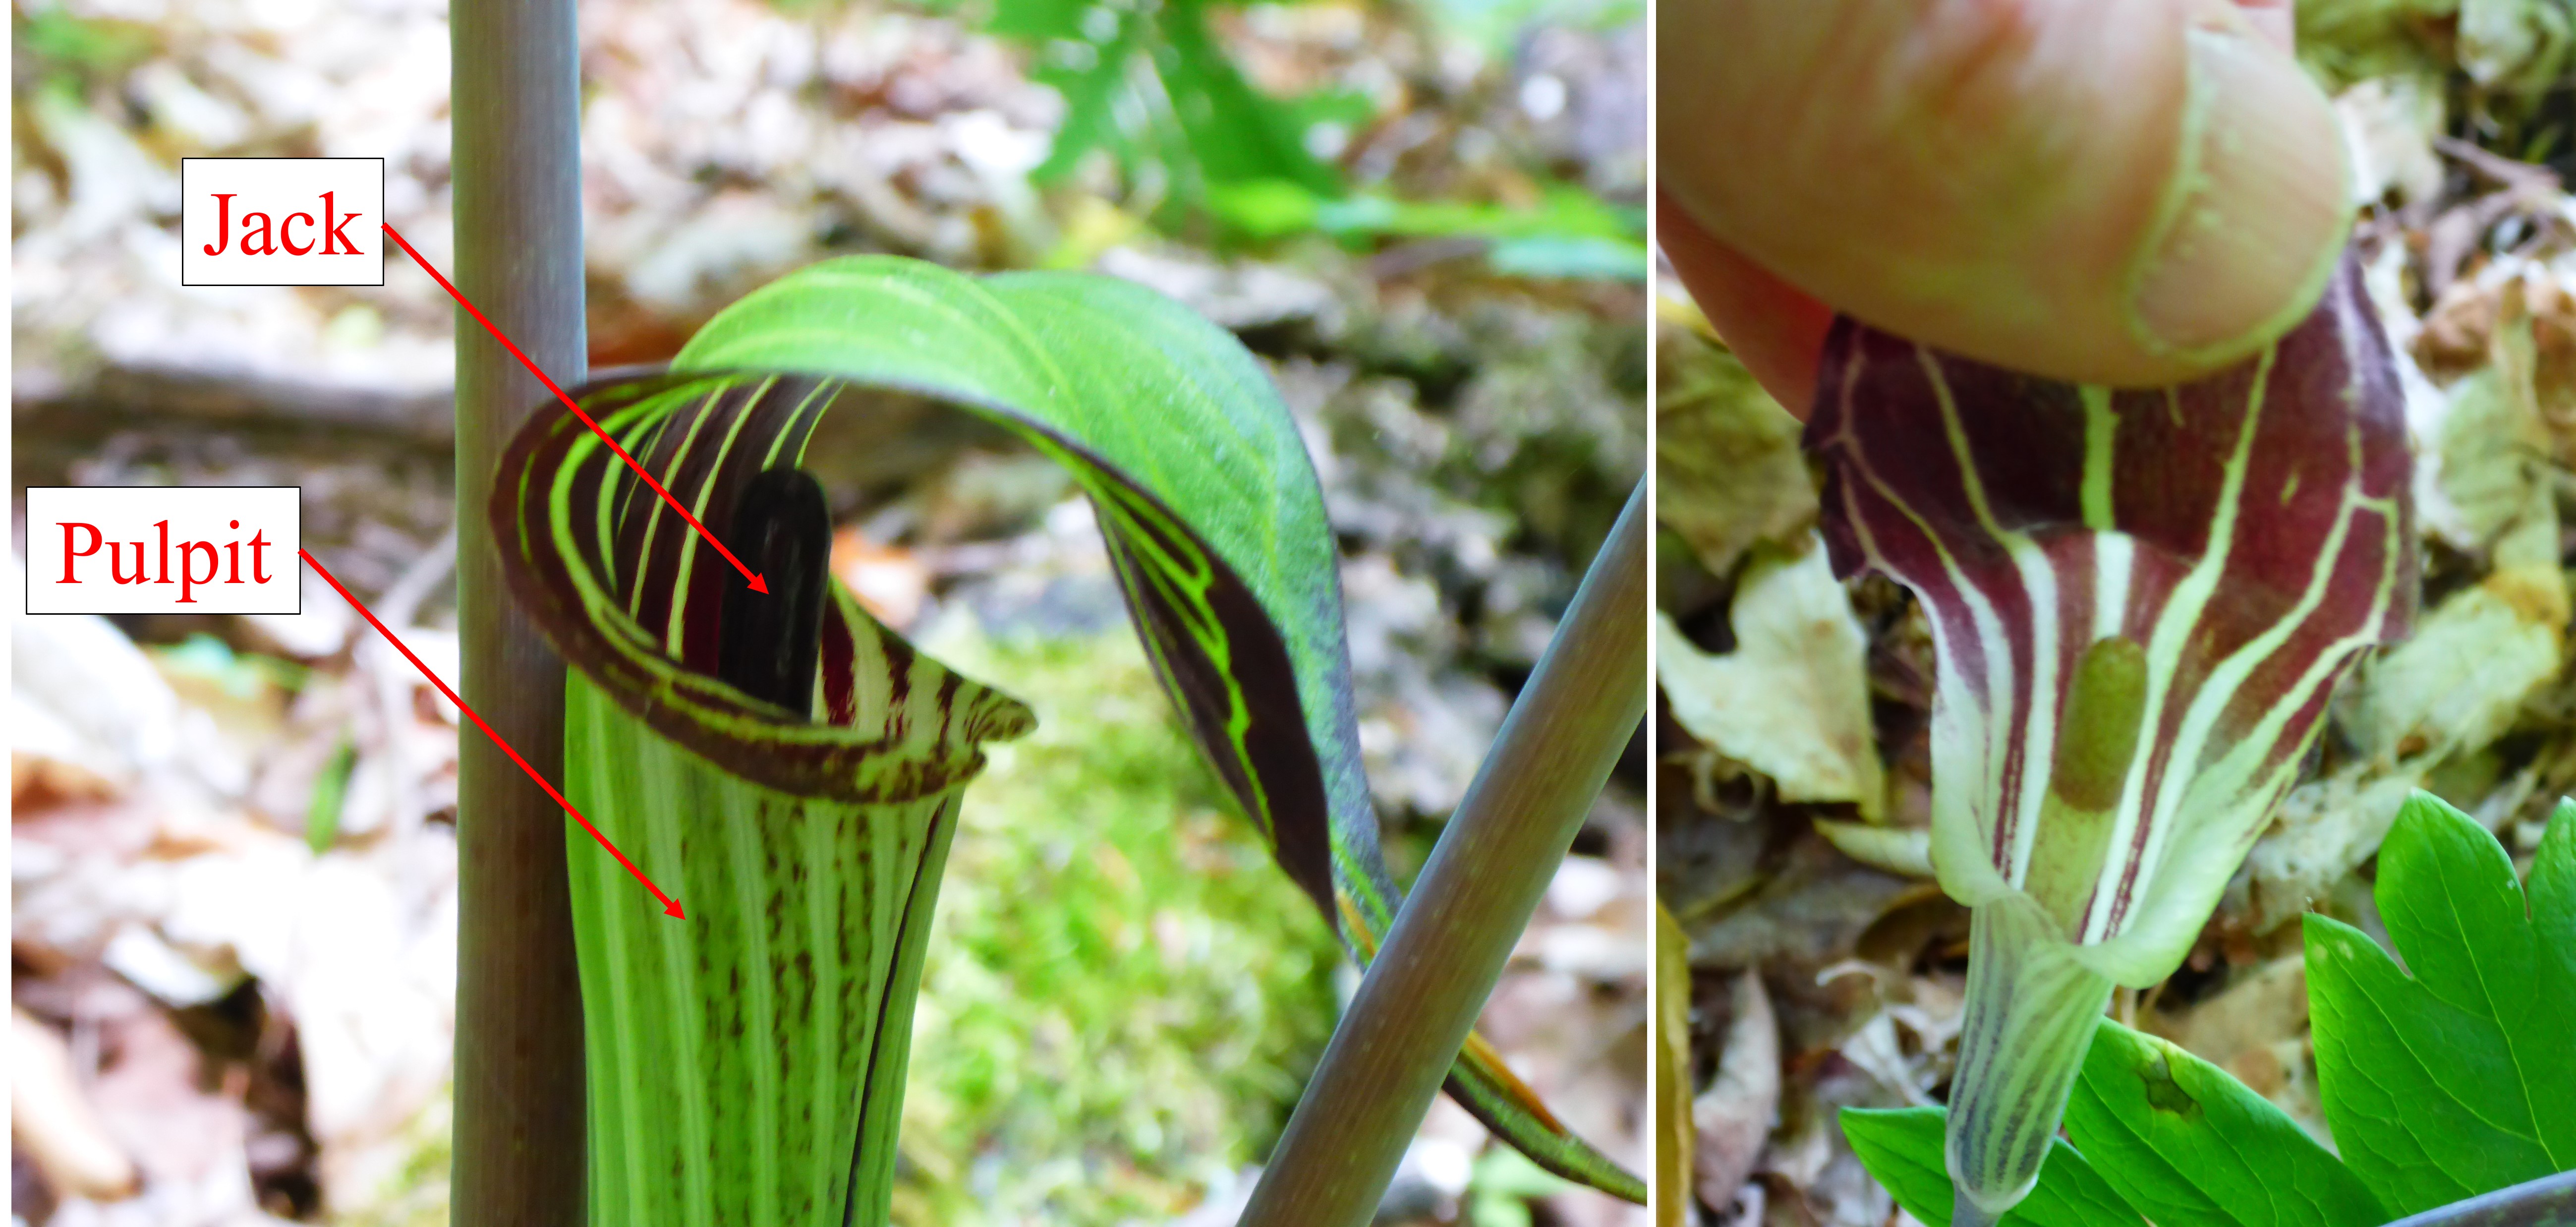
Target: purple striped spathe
<point>2251,531</point>
<point>2140,604</point>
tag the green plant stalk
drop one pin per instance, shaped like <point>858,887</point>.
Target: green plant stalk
<point>1457,928</point>
<point>516,81</point>
<point>2547,1202</point>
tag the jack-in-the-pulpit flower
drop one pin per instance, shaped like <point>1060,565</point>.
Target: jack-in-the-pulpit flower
<point>792,767</point>
<point>2140,601</point>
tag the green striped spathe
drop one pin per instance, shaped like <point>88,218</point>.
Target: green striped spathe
<point>754,1052</point>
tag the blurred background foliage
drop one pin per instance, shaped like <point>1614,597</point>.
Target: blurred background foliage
<point>233,851</point>
<point>1198,143</point>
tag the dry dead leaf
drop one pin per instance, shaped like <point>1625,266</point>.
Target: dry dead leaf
<point>1904,851</point>
<point>52,1120</point>
<point>1727,469</point>
<point>889,581</point>
<point>1733,1118</point>
<point>1792,700</point>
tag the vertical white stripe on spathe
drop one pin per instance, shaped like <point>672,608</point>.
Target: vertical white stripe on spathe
<point>1960,715</point>
<point>2114,556</point>
<point>2031,713</point>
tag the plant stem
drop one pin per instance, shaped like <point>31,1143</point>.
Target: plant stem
<point>515,89</point>
<point>1456,930</point>
<point>2547,1202</point>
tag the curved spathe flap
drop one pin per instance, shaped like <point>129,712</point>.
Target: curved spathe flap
<point>634,598</point>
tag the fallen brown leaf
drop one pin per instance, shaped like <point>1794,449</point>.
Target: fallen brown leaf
<point>51,1119</point>
<point>1734,1116</point>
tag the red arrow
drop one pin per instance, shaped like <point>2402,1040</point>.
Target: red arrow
<point>757,585</point>
<point>670,906</point>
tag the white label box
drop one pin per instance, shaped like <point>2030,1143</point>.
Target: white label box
<point>164,549</point>
<point>281,221</point>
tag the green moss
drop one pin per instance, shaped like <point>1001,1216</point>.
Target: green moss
<point>1123,995</point>
<point>415,1193</point>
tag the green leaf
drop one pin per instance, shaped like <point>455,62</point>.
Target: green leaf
<point>2188,1144</point>
<point>1569,258</point>
<point>1571,233</point>
<point>1215,521</point>
<point>1503,1184</point>
<point>2460,1078</point>
<point>1151,85</point>
<point>1209,506</point>
<point>1236,133</point>
<point>1902,1148</point>
<point>330,794</point>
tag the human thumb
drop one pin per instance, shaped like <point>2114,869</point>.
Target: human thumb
<point>2130,192</point>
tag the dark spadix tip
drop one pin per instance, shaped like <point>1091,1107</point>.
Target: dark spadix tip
<point>783,530</point>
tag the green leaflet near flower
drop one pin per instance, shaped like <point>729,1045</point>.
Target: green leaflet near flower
<point>815,837</point>
<point>2140,601</point>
